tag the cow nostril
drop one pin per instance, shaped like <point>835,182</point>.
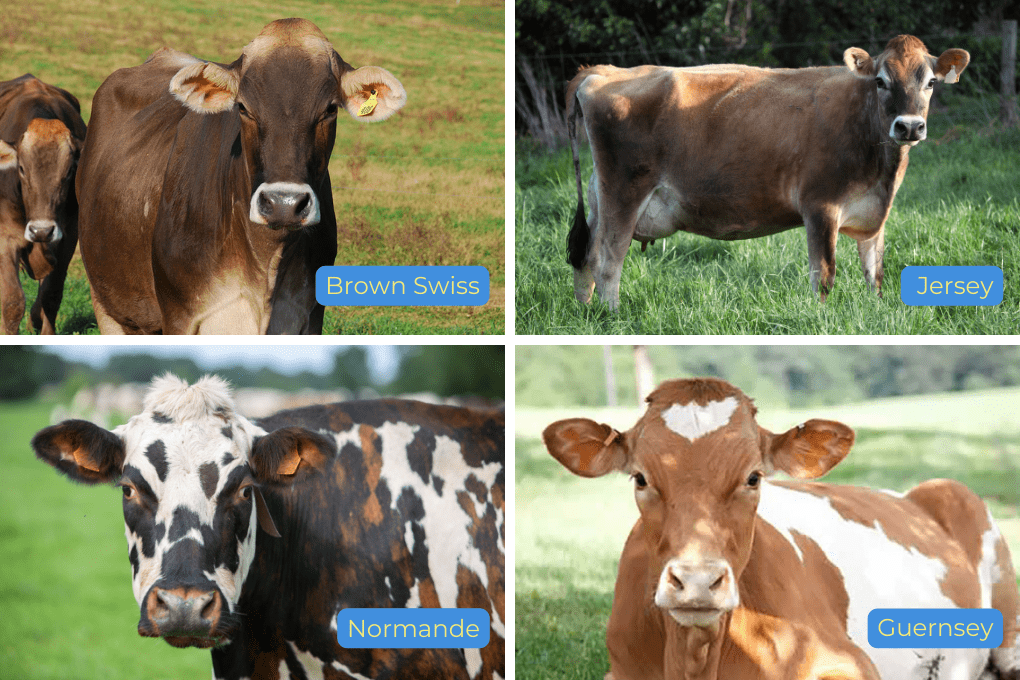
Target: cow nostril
<point>718,582</point>
<point>303,205</point>
<point>675,581</point>
<point>211,607</point>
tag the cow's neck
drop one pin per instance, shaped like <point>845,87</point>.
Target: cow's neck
<point>693,653</point>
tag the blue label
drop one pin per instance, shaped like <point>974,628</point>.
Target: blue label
<point>406,628</point>
<point>951,286</point>
<point>402,286</point>
<point>935,628</point>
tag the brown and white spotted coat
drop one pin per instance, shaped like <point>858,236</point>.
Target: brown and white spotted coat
<point>383,503</point>
<point>41,136</point>
<point>734,152</point>
<point>726,575</point>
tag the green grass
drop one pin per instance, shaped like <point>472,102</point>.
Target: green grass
<point>570,531</point>
<point>66,607</point>
<point>424,187</point>
<point>957,206</point>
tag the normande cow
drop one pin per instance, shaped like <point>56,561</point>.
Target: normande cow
<point>206,199</point>
<point>727,576</point>
<point>734,152</point>
<point>41,136</point>
<point>248,538</point>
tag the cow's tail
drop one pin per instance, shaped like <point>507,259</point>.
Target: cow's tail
<point>580,236</point>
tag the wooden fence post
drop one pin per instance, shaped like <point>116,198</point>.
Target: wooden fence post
<point>1007,76</point>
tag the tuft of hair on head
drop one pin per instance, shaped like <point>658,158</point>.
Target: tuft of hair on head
<point>173,397</point>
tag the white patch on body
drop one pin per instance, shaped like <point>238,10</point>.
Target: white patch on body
<point>309,662</point>
<point>693,421</point>
<point>877,573</point>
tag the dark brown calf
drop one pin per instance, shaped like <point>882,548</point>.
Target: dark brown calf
<point>41,135</point>
<point>734,152</point>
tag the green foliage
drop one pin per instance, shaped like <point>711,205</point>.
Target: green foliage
<point>23,370</point>
<point>461,370</point>
<point>957,206</point>
<point>774,375</point>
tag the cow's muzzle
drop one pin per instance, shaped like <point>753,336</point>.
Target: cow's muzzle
<point>184,617</point>
<point>284,205</point>
<point>697,594</point>
<point>909,130</point>
<point>42,231</point>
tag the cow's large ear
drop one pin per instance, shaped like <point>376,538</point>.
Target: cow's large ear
<point>955,60</point>
<point>808,450</point>
<point>205,87</point>
<point>278,456</point>
<point>859,61</point>
<point>586,448</point>
<point>371,94</point>
<point>81,450</point>
<point>8,156</point>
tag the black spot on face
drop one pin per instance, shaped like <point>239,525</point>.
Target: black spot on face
<point>227,459</point>
<point>228,432</point>
<point>156,453</point>
<point>184,520</point>
<point>139,511</point>
<point>161,418</point>
<point>209,475</point>
<point>133,557</point>
<point>159,532</point>
<point>437,483</point>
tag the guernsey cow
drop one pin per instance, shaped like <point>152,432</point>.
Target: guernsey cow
<point>249,537</point>
<point>41,135</point>
<point>205,193</point>
<point>727,576</point>
<point>734,152</point>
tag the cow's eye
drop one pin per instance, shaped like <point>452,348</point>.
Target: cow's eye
<point>931,83</point>
<point>330,110</point>
<point>129,491</point>
<point>242,110</point>
<point>754,479</point>
<point>244,493</point>
<point>880,82</point>
<point>639,480</point>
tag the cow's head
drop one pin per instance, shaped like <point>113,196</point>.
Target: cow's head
<point>287,88</point>
<point>45,157</point>
<point>697,458</point>
<point>190,469</point>
<point>905,76</point>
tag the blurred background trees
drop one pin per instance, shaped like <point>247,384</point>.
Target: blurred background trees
<point>774,375</point>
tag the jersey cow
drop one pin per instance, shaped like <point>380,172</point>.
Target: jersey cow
<point>363,504</point>
<point>41,135</point>
<point>734,152</point>
<point>725,575</point>
<point>205,193</point>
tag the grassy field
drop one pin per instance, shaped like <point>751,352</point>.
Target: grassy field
<point>425,187</point>
<point>958,206</point>
<point>570,531</point>
<point>65,586</point>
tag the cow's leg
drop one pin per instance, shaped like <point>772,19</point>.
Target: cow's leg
<point>51,293</point>
<point>584,280</point>
<point>871,251</point>
<point>11,296</point>
<point>822,232</point>
<point>107,324</point>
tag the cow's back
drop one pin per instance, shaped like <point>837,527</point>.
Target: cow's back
<point>409,514</point>
<point>133,125</point>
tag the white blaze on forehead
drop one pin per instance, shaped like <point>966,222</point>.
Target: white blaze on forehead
<point>693,420</point>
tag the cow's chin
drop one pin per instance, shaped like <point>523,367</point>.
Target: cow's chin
<point>697,618</point>
<point>182,641</point>
<point>294,226</point>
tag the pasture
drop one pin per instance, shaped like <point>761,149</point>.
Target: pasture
<point>425,187</point>
<point>957,206</point>
<point>570,531</point>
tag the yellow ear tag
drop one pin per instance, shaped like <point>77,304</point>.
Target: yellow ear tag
<point>951,77</point>
<point>369,105</point>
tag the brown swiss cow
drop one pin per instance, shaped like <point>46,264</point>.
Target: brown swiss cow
<point>728,577</point>
<point>205,193</point>
<point>41,135</point>
<point>734,152</point>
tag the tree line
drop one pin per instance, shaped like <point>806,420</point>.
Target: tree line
<point>442,370</point>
